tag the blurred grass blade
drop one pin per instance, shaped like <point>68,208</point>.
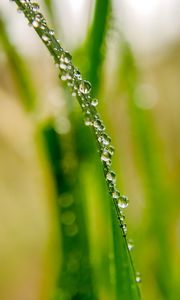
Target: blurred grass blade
<point>153,166</point>
<point>19,70</point>
<point>96,42</point>
<point>76,279</point>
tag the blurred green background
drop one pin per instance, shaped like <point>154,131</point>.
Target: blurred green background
<point>54,216</point>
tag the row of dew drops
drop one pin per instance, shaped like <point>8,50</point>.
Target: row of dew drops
<point>82,90</point>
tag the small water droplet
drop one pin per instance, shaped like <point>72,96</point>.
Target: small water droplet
<point>68,218</point>
<point>35,6</point>
<point>66,57</point>
<point>51,32</point>
<point>138,277</point>
<point>99,125</point>
<point>123,201</point>
<point>105,156</point>
<point>104,138</point>
<point>45,38</point>
<point>88,122</point>
<point>130,245</point>
<point>35,23</point>
<point>85,87</point>
<point>72,229</point>
<point>111,150</point>
<point>116,195</point>
<point>94,102</point>
<point>66,200</point>
<point>111,176</point>
<point>63,66</point>
<point>124,228</point>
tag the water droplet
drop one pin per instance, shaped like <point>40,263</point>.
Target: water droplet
<point>35,6</point>
<point>138,277</point>
<point>124,228</point>
<point>63,66</point>
<point>71,230</point>
<point>116,195</point>
<point>111,150</point>
<point>51,32</point>
<point>104,138</point>
<point>105,156</point>
<point>99,125</point>
<point>39,17</point>
<point>85,87</point>
<point>88,122</point>
<point>68,218</point>
<point>66,200</point>
<point>94,102</point>
<point>130,245</point>
<point>122,216</point>
<point>111,176</point>
<point>45,38</point>
<point>66,57</point>
<point>123,201</point>
<point>35,23</point>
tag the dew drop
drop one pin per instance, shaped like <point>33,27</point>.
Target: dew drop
<point>66,57</point>
<point>88,122</point>
<point>51,32</point>
<point>94,102</point>
<point>72,229</point>
<point>124,228</point>
<point>85,87</point>
<point>123,201</point>
<point>45,38</point>
<point>116,195</point>
<point>35,6</point>
<point>138,277</point>
<point>105,156</point>
<point>63,66</point>
<point>130,245</point>
<point>111,176</point>
<point>111,150</point>
<point>105,139</point>
<point>35,23</point>
<point>68,218</point>
<point>98,125</point>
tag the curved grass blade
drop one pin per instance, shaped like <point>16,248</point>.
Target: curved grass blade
<point>81,88</point>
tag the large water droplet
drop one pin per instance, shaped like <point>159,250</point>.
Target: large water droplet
<point>123,201</point>
<point>85,87</point>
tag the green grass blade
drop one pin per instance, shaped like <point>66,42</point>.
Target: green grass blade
<point>75,279</point>
<point>153,169</point>
<point>96,42</point>
<point>84,98</point>
<point>19,70</point>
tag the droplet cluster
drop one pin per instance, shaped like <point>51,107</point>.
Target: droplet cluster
<point>80,88</point>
